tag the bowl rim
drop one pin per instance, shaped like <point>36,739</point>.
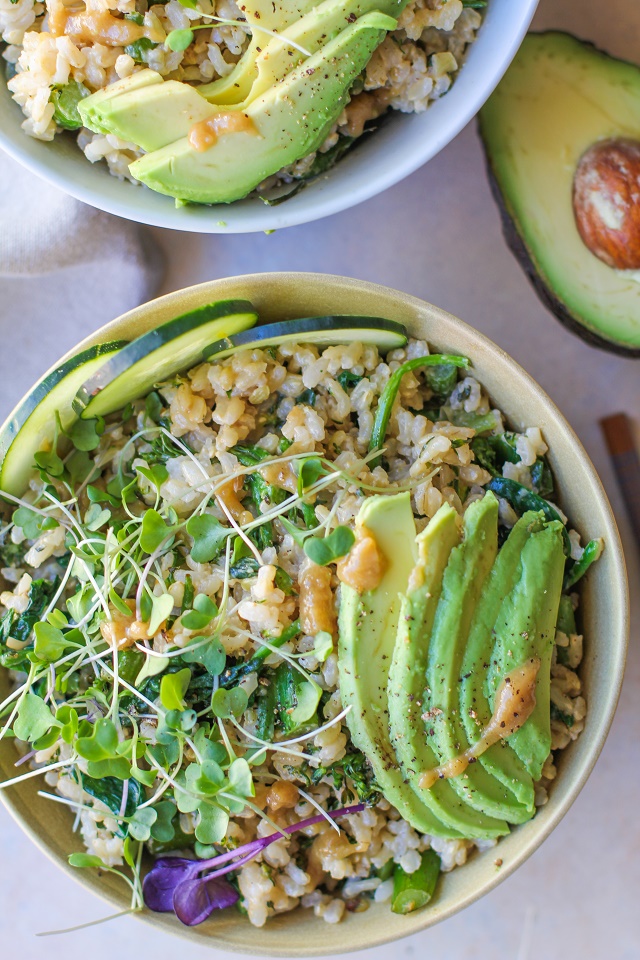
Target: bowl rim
<point>253,216</point>
<point>618,586</point>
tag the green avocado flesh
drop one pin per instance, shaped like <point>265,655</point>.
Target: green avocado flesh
<point>560,96</point>
<point>172,347</point>
<point>287,122</point>
<point>367,630</point>
<point>421,658</point>
<point>406,685</point>
<point>32,425</point>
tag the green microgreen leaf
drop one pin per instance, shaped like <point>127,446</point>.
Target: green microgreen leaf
<point>81,467</point>
<point>201,616</point>
<point>173,687</point>
<point>31,523</point>
<point>240,778</point>
<point>57,619</point>
<point>309,471</point>
<point>51,642</point>
<point>34,719</point>
<point>323,550</point>
<point>141,822</point>
<point>208,535</point>
<point>85,434</point>
<point>178,40</point>
<point>151,668</point>
<point>146,606</point>
<point>96,517</point>
<point>160,610</point>
<point>156,474</point>
<point>322,645</point>
<point>84,860</point>
<point>162,829</point>
<point>211,655</point>
<point>101,744</point>
<point>49,462</point>
<point>154,531</point>
<point>153,406</point>
<point>213,823</point>
<point>119,603</point>
<point>229,703</point>
<point>308,696</point>
<point>299,536</point>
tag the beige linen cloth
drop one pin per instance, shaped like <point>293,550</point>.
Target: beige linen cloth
<point>65,269</point>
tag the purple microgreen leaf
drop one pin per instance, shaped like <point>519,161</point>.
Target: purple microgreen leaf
<point>166,874</point>
<point>173,884</point>
<point>196,899</point>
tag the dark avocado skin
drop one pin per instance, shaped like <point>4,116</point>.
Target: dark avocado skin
<point>518,247</point>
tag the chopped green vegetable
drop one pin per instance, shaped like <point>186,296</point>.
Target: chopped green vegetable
<point>390,392</point>
<point>413,890</point>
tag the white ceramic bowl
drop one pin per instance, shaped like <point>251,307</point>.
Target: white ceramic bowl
<point>392,153</point>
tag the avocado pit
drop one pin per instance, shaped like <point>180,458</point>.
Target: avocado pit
<point>606,201</point>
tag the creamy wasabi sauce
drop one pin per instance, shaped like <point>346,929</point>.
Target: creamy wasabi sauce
<point>515,700</point>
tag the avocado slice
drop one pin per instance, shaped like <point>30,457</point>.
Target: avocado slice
<point>158,115</point>
<point>93,106</point>
<point>475,711</point>
<point>367,630</point>
<point>558,97</point>
<point>291,120</point>
<point>406,686</point>
<point>275,16</point>
<point>464,583</point>
<point>525,628</point>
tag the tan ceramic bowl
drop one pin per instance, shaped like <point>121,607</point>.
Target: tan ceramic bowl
<point>604,612</point>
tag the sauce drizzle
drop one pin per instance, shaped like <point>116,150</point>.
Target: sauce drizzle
<point>205,133</point>
<point>515,700</point>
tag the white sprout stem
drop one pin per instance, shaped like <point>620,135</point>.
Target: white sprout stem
<point>267,745</point>
<point>91,923</point>
<point>35,773</point>
<point>314,803</point>
<point>22,692</point>
<point>285,656</point>
<point>313,733</point>
<point>252,27</point>
<point>127,686</point>
<point>239,531</point>
<point>43,511</point>
<point>74,803</point>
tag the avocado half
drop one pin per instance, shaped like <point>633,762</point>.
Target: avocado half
<point>560,96</point>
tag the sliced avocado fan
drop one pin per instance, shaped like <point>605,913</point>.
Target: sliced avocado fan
<point>162,113</point>
<point>475,710</point>
<point>406,686</point>
<point>290,121</point>
<point>525,628</point>
<point>367,631</point>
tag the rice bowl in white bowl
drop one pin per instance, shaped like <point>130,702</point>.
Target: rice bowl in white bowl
<point>396,149</point>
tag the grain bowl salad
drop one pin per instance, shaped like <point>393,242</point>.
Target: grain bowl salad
<point>208,101</point>
<point>289,611</point>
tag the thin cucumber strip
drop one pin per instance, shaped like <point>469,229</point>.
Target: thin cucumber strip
<point>323,331</point>
<point>32,424</point>
<point>169,349</point>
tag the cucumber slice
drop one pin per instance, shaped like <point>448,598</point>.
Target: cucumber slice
<point>32,423</point>
<point>324,331</point>
<point>170,348</point>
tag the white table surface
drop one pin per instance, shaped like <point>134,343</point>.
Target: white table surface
<point>436,235</point>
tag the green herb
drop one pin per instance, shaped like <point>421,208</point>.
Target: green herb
<point>65,101</point>
<point>557,714</point>
<point>307,397</point>
<point>204,610</point>
<point>208,535</point>
<point>34,719</point>
<point>173,687</point>
<point>323,550</point>
<point>348,380</point>
<point>178,40</point>
<point>139,49</point>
